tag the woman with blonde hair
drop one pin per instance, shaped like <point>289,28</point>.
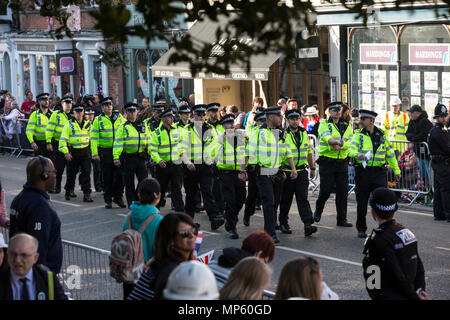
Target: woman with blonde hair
<point>247,280</point>
<point>300,278</point>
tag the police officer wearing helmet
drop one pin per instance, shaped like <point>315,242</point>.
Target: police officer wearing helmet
<point>74,144</point>
<point>335,135</point>
<point>439,144</point>
<point>392,249</point>
<point>130,151</point>
<point>371,149</point>
<point>104,130</point>
<point>37,125</point>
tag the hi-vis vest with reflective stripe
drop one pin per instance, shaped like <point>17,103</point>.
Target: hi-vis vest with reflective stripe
<point>327,130</point>
<point>36,126</point>
<point>197,145</point>
<point>218,127</point>
<point>299,151</point>
<point>362,143</point>
<point>230,155</point>
<point>55,126</point>
<point>396,125</point>
<point>267,149</point>
<point>166,145</point>
<point>74,136</point>
<point>103,131</point>
<point>129,140</point>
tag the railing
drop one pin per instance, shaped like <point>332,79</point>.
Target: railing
<point>18,142</point>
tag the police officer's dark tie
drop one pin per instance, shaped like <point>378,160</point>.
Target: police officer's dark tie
<point>24,295</point>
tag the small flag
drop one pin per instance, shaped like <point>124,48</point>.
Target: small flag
<point>81,85</point>
<point>198,242</point>
<point>206,258</point>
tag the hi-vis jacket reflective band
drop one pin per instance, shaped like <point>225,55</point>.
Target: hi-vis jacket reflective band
<point>218,127</point>
<point>104,130</point>
<point>362,143</point>
<point>36,126</point>
<point>267,148</point>
<point>55,126</point>
<point>197,145</point>
<point>165,144</point>
<point>328,130</point>
<point>229,155</point>
<point>299,149</point>
<point>74,136</point>
<point>129,140</point>
<point>396,127</point>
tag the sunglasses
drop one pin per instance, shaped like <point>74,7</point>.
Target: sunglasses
<point>200,114</point>
<point>188,233</point>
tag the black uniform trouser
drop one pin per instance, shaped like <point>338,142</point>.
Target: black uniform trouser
<point>171,174</point>
<point>131,165</point>
<point>217,189</point>
<point>98,175</point>
<point>299,187</point>
<point>81,161</point>
<point>234,197</point>
<point>201,178</point>
<point>42,149</point>
<point>60,163</point>
<point>334,173</point>
<point>252,195</point>
<point>366,181</point>
<point>111,174</point>
<point>270,193</point>
<point>441,195</point>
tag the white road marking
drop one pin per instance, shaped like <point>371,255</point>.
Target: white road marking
<point>67,203</point>
<point>442,248</point>
<point>90,225</point>
<point>416,213</point>
<point>211,233</point>
<point>122,215</point>
<point>324,227</point>
<point>319,256</point>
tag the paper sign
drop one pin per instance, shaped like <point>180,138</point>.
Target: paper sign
<point>379,79</point>
<point>431,80</point>
<point>431,100</point>
<point>446,84</point>
<point>415,83</point>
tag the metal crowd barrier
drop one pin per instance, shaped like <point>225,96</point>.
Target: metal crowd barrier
<point>314,143</point>
<point>20,141</point>
<point>415,167</point>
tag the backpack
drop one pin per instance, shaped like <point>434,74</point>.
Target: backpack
<point>126,260</point>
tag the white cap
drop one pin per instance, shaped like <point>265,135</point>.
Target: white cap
<point>2,242</point>
<point>395,101</point>
<point>191,280</point>
<point>310,111</point>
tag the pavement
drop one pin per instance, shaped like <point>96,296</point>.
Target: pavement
<point>337,249</point>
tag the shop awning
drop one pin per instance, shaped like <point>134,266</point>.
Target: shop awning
<point>344,18</point>
<point>205,31</point>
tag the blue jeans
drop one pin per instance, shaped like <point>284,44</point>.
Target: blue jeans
<point>424,166</point>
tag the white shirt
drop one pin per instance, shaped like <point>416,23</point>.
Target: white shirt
<point>16,285</point>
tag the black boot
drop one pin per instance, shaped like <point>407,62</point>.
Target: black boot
<point>72,194</point>
<point>67,196</point>
<point>246,220</point>
<point>285,228</point>
<point>233,234</point>
<point>87,198</point>
<point>217,222</point>
<point>120,203</point>
<point>317,216</point>
<point>108,204</point>
<point>309,230</point>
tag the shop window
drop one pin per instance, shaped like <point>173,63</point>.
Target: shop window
<point>52,73</point>
<point>39,73</point>
<point>26,74</point>
<point>142,88</point>
<point>373,76</point>
<point>425,69</point>
<point>98,88</point>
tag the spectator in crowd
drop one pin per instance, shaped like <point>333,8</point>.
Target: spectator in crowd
<point>29,105</point>
<point>346,113</point>
<point>408,165</point>
<point>14,127</point>
<point>4,220</point>
<point>258,244</point>
<point>249,120</point>
<point>24,279</point>
<point>174,244</point>
<point>300,278</point>
<point>311,118</point>
<point>3,98</point>
<point>247,280</point>
<point>418,129</point>
<point>191,280</point>
<point>145,103</point>
<point>54,102</point>
<point>33,213</point>
<point>292,104</point>
<point>3,254</point>
<point>223,112</point>
<point>239,115</point>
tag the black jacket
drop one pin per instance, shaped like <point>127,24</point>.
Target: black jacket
<point>32,212</point>
<point>231,256</point>
<point>41,283</point>
<point>418,132</point>
<point>439,141</point>
<point>393,248</point>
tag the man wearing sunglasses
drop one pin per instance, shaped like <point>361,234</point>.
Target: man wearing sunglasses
<point>37,124</point>
<point>197,139</point>
<point>371,149</point>
<point>53,134</point>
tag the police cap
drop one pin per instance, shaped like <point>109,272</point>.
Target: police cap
<point>213,106</point>
<point>42,96</point>
<point>106,100</point>
<point>384,200</point>
<point>131,106</point>
<point>273,110</point>
<point>367,114</point>
<point>334,105</point>
<point>227,118</point>
<point>440,111</point>
<point>294,113</point>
